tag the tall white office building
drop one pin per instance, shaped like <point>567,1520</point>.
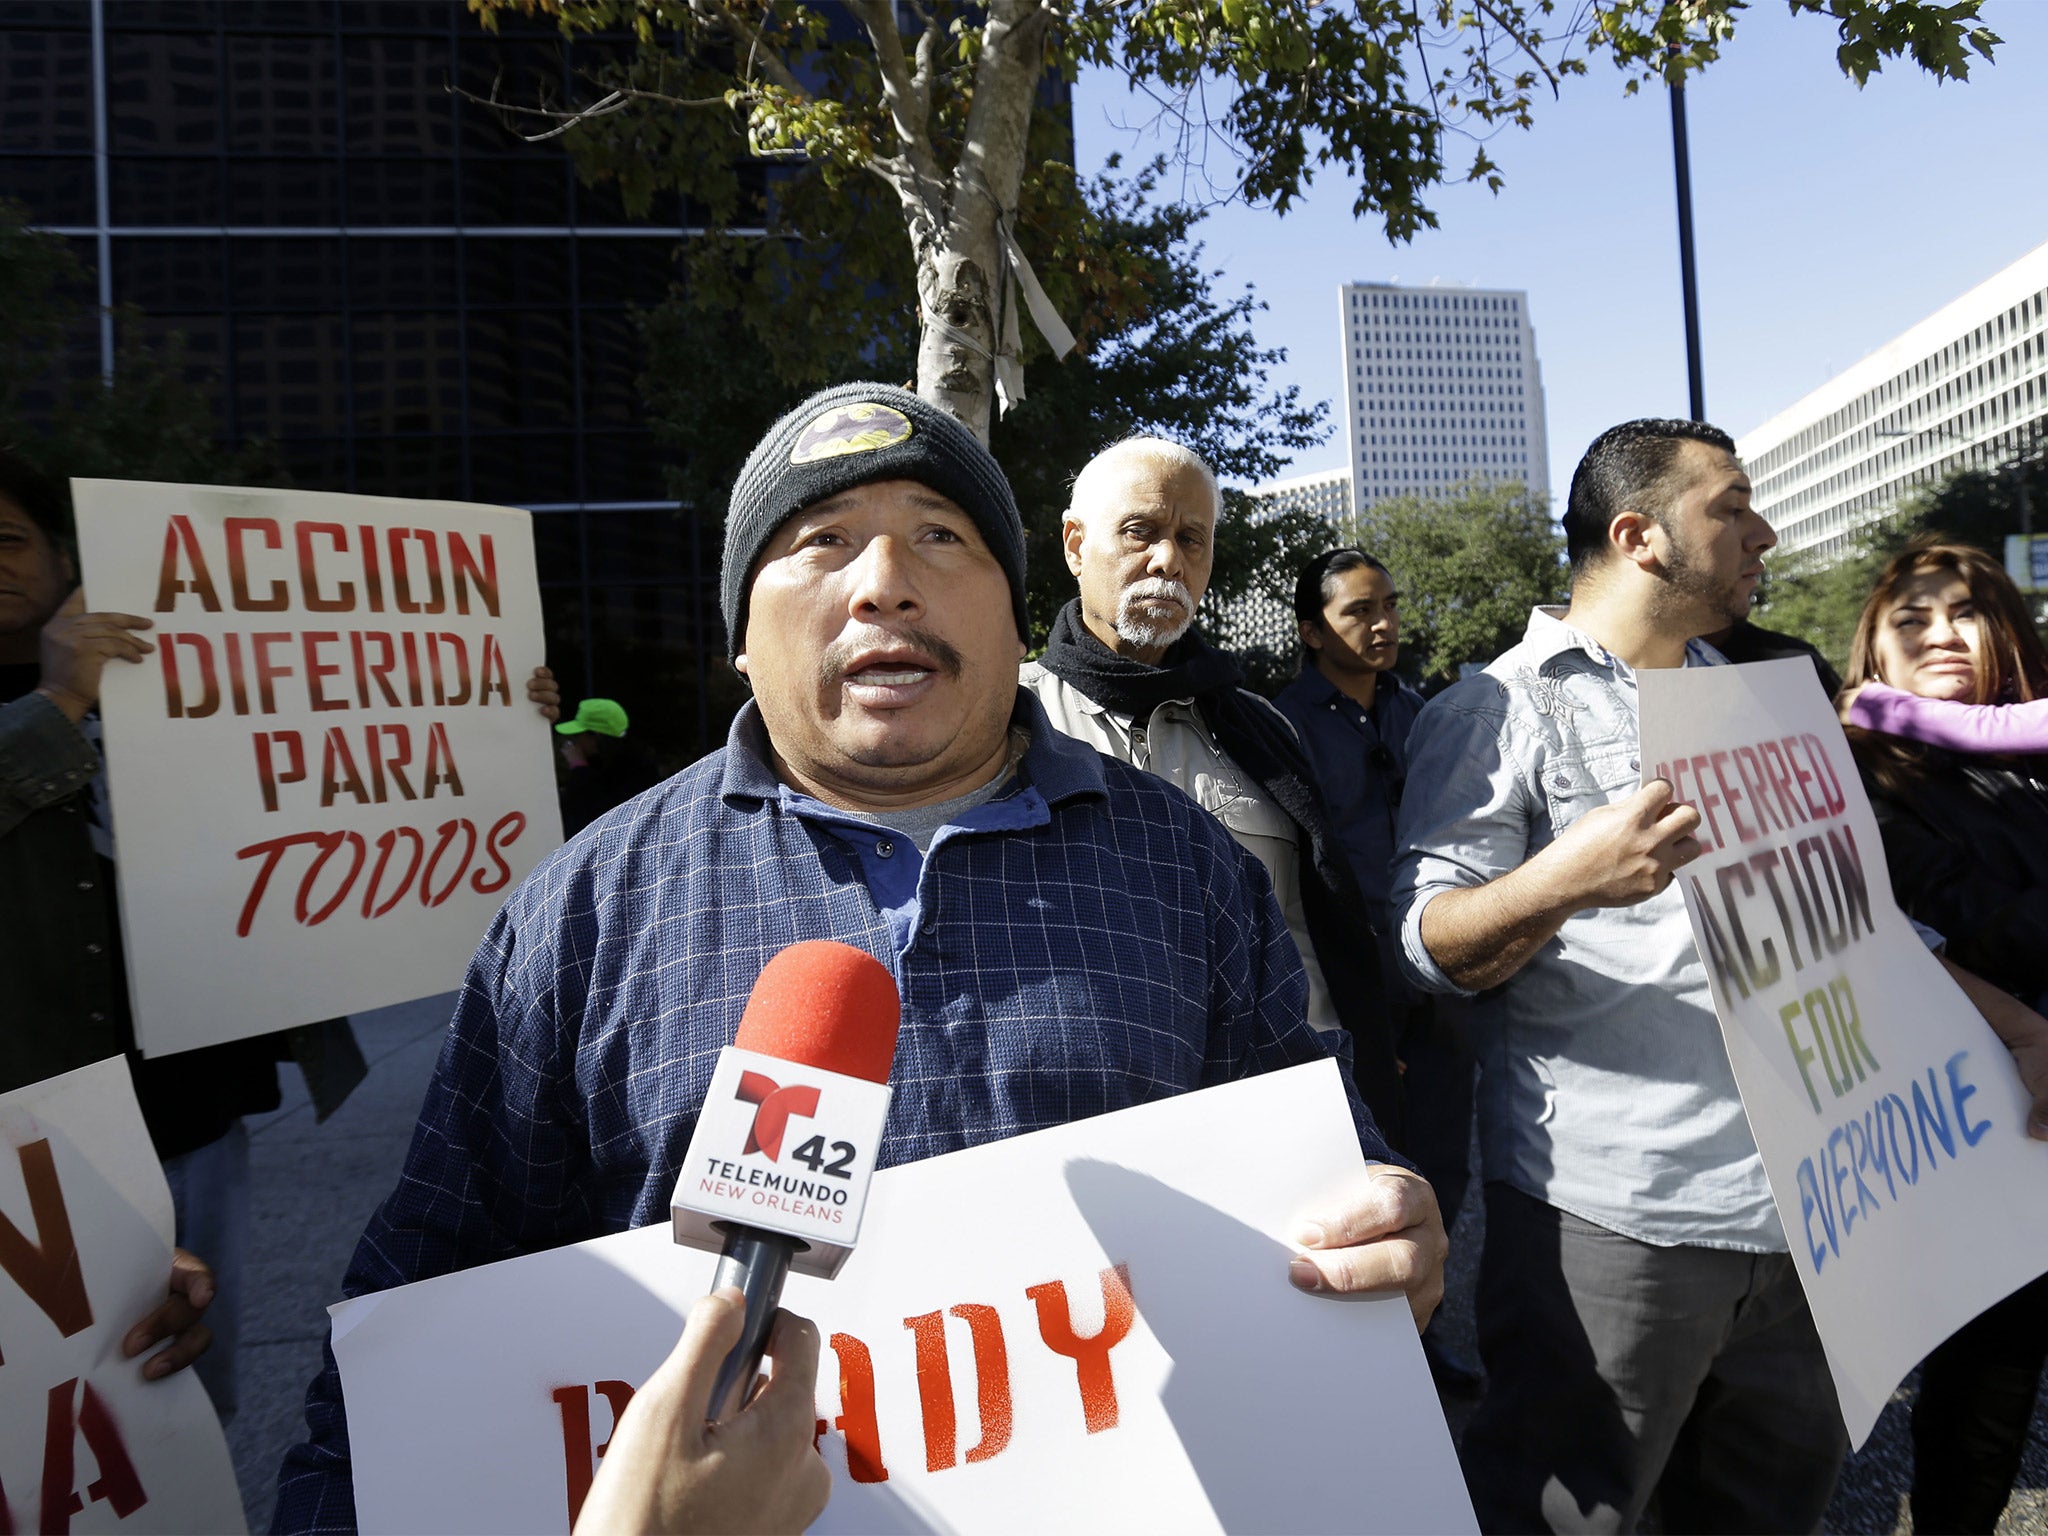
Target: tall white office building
<point>1965,388</point>
<point>1326,494</point>
<point>1442,387</point>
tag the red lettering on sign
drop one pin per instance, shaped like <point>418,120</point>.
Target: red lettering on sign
<point>344,597</point>
<point>386,841</point>
<point>1090,1355</point>
<point>238,572</point>
<point>434,886</point>
<point>47,1269</point>
<point>935,1384</point>
<point>505,830</point>
<point>934,1389</point>
<point>175,706</point>
<point>463,568</point>
<point>857,1419</point>
<point>490,673</point>
<point>181,541</point>
<point>579,1457</point>
<point>117,1483</point>
<point>338,773</point>
<point>401,572</point>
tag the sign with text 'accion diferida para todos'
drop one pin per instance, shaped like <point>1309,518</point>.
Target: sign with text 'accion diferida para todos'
<point>1890,1118</point>
<point>1087,1328</point>
<point>85,1249</point>
<point>327,777</point>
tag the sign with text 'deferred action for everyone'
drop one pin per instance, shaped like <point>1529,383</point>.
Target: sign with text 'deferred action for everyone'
<point>1891,1119</point>
<point>327,777</point>
<point>1083,1329</point>
<point>86,1444</point>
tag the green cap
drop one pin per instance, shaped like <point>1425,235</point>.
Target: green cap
<point>599,715</point>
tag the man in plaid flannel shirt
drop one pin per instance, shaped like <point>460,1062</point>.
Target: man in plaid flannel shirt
<point>1069,935</point>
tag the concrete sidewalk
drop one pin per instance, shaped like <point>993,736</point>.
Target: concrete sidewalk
<point>314,1188</point>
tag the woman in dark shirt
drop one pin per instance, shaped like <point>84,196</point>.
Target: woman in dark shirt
<point>1967,842</point>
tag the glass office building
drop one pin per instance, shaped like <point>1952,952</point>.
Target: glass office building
<point>378,278</point>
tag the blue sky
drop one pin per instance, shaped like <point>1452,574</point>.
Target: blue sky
<point>1827,220</point>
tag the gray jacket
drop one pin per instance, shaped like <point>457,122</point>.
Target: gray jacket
<point>1177,746</point>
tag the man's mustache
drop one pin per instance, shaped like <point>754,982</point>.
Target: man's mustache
<point>1158,587</point>
<point>841,655</point>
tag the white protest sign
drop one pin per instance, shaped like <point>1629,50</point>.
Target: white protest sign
<point>1890,1118</point>
<point>86,1444</point>
<point>1087,1328</point>
<point>328,777</point>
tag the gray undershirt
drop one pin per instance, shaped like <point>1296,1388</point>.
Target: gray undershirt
<point>922,823</point>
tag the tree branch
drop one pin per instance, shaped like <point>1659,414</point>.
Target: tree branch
<point>565,118</point>
<point>901,91</point>
<point>1521,41</point>
<point>759,49</point>
<point>1005,84</point>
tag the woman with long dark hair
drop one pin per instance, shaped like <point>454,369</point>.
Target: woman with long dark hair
<point>1966,836</point>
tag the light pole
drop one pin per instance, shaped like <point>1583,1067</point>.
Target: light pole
<point>1682,164</point>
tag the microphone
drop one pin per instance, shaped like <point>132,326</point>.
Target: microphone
<point>777,1172</point>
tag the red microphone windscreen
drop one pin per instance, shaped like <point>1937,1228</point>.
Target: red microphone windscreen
<point>827,1005</point>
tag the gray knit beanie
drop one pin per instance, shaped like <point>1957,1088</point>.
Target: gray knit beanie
<point>853,434</point>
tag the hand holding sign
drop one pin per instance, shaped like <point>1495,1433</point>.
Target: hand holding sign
<point>76,646</point>
<point>1618,855</point>
<point>1388,1238</point>
<point>668,1470</point>
<point>545,694</point>
<point>2024,1032</point>
<point>178,1319</point>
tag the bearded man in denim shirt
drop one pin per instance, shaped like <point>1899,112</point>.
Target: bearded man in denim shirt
<point>1641,1324</point>
<point>1068,935</point>
<point>1643,1329</point>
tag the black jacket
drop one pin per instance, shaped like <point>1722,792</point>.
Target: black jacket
<point>1968,850</point>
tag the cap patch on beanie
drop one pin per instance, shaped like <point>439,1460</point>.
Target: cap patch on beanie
<point>847,429</point>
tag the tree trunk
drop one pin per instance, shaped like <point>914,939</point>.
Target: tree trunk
<point>960,267</point>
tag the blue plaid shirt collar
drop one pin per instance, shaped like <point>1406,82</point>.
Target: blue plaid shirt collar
<point>1059,767</point>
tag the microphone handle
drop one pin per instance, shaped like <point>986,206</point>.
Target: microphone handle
<point>756,1262</point>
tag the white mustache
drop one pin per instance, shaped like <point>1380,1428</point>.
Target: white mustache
<point>1157,587</point>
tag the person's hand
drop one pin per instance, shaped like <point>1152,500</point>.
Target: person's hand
<point>1617,855</point>
<point>1386,1238</point>
<point>1845,701</point>
<point>2024,1032</point>
<point>191,1291</point>
<point>545,694</point>
<point>76,645</point>
<point>669,1471</point>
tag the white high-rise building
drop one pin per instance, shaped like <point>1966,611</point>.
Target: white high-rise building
<point>1326,493</point>
<point>1966,387</point>
<point>1442,387</point>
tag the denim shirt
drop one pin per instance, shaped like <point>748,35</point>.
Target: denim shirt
<point>1364,797</point>
<point>1605,1089</point>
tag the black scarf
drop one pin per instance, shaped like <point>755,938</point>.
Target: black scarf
<point>1257,737</point>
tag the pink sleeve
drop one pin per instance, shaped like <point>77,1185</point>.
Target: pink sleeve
<point>1977,728</point>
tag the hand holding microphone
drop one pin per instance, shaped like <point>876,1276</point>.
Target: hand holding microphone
<point>668,1470</point>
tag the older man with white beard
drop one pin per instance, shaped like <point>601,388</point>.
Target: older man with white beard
<point>1126,671</point>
